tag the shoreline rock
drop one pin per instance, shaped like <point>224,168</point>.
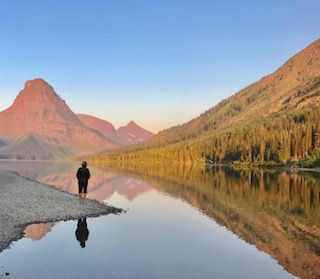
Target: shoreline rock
<point>24,202</point>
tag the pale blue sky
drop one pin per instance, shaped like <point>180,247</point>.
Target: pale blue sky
<point>157,62</point>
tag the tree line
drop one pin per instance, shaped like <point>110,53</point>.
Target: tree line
<point>279,139</point>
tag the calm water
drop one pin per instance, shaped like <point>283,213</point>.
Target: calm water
<point>182,222</point>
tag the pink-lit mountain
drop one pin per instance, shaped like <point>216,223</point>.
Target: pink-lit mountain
<point>103,126</point>
<point>40,125</point>
<point>125,135</point>
<point>132,133</point>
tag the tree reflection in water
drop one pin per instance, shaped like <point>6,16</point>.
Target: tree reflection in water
<point>277,211</point>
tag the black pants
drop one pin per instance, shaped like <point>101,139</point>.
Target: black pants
<point>83,186</point>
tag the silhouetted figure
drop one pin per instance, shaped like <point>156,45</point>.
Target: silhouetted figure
<point>82,232</point>
<point>83,176</point>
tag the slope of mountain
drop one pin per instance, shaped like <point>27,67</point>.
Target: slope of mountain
<point>293,86</point>
<point>125,135</point>
<point>103,126</point>
<point>39,125</point>
<point>275,119</point>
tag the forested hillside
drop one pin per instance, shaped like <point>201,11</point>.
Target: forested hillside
<point>275,120</point>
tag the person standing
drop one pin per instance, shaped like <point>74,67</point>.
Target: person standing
<point>83,175</point>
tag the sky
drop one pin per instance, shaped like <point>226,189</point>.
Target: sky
<point>159,63</point>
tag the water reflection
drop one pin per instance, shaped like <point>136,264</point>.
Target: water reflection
<point>277,211</point>
<point>37,231</point>
<point>102,184</point>
<point>82,232</point>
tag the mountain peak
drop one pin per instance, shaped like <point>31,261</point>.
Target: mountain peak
<point>38,97</point>
<point>37,82</point>
<point>131,124</point>
<point>37,90</point>
<point>133,133</point>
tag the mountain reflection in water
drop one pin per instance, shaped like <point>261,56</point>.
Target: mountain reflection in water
<point>276,211</point>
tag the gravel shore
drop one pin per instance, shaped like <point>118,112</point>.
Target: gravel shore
<point>24,202</point>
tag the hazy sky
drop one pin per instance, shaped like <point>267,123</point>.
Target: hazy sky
<point>157,62</point>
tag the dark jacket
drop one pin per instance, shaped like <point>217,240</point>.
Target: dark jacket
<point>83,175</point>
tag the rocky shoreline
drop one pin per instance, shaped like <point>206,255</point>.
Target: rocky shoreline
<point>23,202</point>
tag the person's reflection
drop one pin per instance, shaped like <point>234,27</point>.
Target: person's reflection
<point>82,232</point>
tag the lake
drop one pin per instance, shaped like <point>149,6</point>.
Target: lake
<point>182,221</point>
